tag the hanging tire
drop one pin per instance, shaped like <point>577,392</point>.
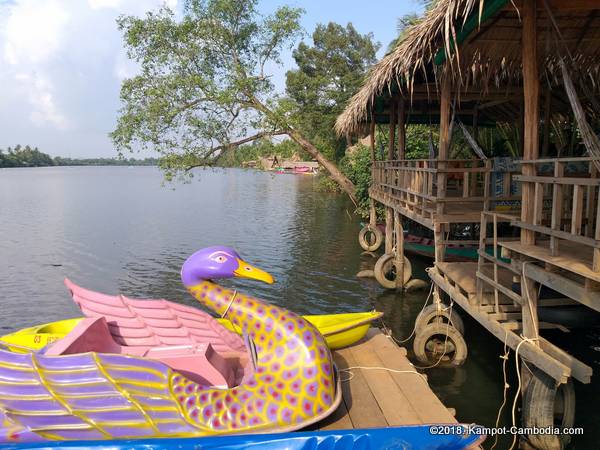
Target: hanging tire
<point>440,345</point>
<point>370,238</point>
<point>431,314</point>
<point>546,405</point>
<point>385,270</point>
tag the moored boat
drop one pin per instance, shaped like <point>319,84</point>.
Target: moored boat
<point>97,395</point>
<point>339,330</point>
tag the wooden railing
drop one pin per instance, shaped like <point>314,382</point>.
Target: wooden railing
<point>565,204</point>
<point>494,259</point>
<point>429,186</point>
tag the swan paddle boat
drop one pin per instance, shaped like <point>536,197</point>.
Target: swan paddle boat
<point>114,381</point>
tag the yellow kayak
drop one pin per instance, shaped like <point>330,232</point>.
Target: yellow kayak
<point>339,330</point>
<point>37,337</point>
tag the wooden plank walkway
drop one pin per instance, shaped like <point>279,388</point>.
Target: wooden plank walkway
<point>380,398</point>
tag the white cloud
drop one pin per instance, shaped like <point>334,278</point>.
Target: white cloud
<point>33,31</point>
<point>98,4</point>
<point>40,94</point>
<point>61,64</point>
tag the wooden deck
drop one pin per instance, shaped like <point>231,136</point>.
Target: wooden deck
<point>574,257</point>
<point>380,398</point>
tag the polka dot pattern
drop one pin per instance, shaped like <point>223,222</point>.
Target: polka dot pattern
<point>293,380</point>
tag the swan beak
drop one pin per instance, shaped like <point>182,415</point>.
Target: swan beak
<point>246,270</point>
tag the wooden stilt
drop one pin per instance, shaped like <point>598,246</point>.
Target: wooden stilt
<point>438,238</point>
<point>389,229</point>
<point>530,153</point>
<point>372,213</point>
<point>444,137</point>
<point>372,210</point>
<point>399,234</point>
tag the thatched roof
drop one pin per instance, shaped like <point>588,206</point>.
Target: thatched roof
<point>488,59</point>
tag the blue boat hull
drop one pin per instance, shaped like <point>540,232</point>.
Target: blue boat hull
<point>405,438</point>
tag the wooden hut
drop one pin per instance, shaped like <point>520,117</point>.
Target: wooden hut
<point>470,64</point>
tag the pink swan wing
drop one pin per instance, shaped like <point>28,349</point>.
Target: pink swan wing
<point>86,396</point>
<point>148,323</point>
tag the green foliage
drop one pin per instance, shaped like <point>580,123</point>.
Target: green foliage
<point>262,148</point>
<point>407,21</point>
<point>329,72</point>
<point>357,167</point>
<point>32,157</point>
<point>59,161</point>
<point>24,157</point>
<point>203,84</point>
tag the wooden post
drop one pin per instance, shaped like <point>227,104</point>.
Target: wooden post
<point>389,230</point>
<point>590,203</point>
<point>557,206</point>
<point>531,114</point>
<point>439,241</point>
<point>401,130</point>
<point>444,135</point>
<point>372,213</point>
<point>399,233</point>
<point>392,142</point>
<point>372,210</point>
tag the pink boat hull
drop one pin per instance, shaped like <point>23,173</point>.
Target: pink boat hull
<point>198,362</point>
<point>186,339</point>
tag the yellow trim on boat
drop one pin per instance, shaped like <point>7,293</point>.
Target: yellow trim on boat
<point>339,330</point>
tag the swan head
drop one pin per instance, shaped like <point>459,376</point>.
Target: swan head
<point>217,263</point>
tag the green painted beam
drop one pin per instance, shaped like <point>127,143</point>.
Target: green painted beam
<point>490,9</point>
<point>434,119</point>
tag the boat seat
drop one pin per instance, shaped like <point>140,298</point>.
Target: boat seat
<point>197,362</point>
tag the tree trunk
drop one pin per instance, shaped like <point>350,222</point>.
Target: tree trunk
<point>335,173</point>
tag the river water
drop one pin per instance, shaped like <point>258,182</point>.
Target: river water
<point>119,229</point>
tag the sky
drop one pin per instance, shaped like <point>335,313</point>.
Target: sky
<point>62,63</point>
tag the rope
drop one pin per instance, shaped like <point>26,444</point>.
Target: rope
<point>388,331</point>
<point>506,387</point>
<point>449,308</point>
<point>387,369</point>
<point>230,303</point>
<point>514,407</point>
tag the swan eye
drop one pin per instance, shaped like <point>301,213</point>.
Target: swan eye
<point>220,259</point>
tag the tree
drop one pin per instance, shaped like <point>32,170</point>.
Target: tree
<point>203,88</point>
<point>329,73</point>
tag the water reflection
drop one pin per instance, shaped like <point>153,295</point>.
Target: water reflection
<point>117,229</point>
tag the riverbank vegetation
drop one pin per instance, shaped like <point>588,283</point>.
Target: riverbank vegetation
<point>27,156</point>
<point>204,88</point>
